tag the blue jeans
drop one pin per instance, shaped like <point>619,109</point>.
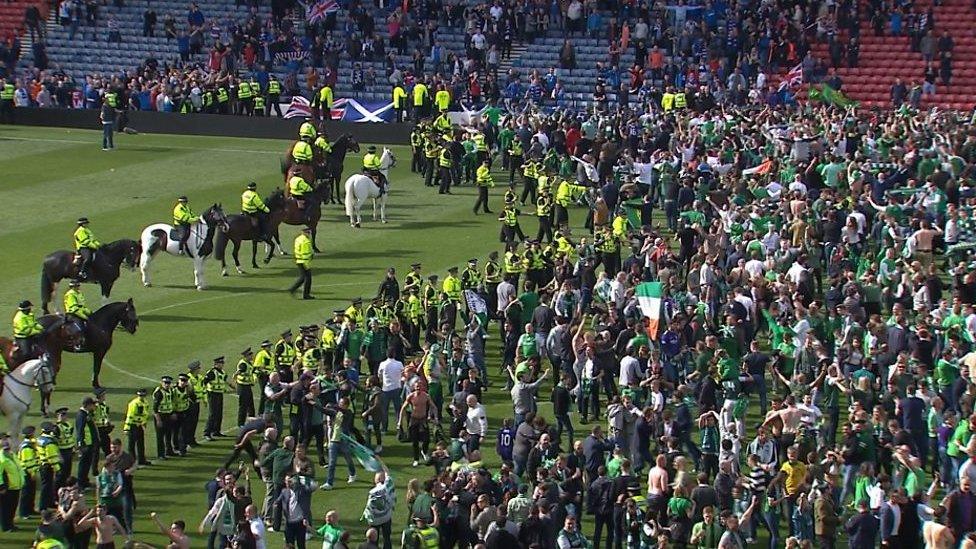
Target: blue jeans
<point>848,485</point>
<point>396,397</point>
<point>108,130</point>
<point>337,448</point>
<point>759,382</point>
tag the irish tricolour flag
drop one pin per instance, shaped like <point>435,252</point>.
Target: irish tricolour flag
<point>649,300</point>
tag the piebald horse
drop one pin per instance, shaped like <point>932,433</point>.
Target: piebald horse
<point>160,237</point>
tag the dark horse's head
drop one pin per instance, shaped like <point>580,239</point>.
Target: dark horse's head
<point>275,200</point>
<point>129,320</point>
<point>346,143</point>
<point>214,217</point>
<point>131,250</point>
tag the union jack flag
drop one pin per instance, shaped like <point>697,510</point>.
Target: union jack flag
<point>318,10</point>
<point>793,78</point>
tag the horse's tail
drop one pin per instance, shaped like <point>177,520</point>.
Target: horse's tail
<point>350,196</point>
<point>284,165</point>
<point>220,245</point>
<point>47,286</point>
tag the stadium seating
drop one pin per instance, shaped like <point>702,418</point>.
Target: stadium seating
<point>12,15</point>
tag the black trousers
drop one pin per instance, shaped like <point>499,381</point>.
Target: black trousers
<point>49,489</point>
<point>444,175</point>
<point>262,383</point>
<point>304,279</point>
<point>482,199</point>
<point>104,442</point>
<point>137,443</point>
<point>246,448</point>
<point>67,459</point>
<point>245,403</point>
<point>601,521</point>
<point>8,508</point>
<point>215,414</point>
<point>86,457</point>
<point>27,494</point>
<point>164,435</point>
<point>530,186</point>
<point>545,229</point>
<point>190,419</point>
<point>179,440</point>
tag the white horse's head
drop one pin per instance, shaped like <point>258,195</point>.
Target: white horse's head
<point>387,161</point>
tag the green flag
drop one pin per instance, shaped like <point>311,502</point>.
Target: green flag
<point>826,94</point>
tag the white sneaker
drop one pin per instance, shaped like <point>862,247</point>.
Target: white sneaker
<point>351,479</point>
<point>326,487</point>
<point>379,449</point>
<point>416,463</point>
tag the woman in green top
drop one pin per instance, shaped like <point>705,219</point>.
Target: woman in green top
<point>679,514</point>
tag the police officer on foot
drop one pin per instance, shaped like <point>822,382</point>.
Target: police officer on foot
<point>199,398</point>
<point>87,435</point>
<point>216,383</point>
<point>12,477</point>
<point>30,461</point>
<point>50,459</point>
<point>163,411</point>
<point>66,443</point>
<point>303,260</point>
<point>182,394</point>
<point>274,95</point>
<point>136,419</point>
<point>244,378</point>
<point>103,423</point>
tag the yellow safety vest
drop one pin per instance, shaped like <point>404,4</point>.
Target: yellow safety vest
<point>328,339</point>
<point>285,354</point>
<point>263,362</point>
<point>181,399</point>
<point>429,537</point>
<point>50,454</point>
<point>66,435</point>
<point>493,274</point>
<point>484,177</point>
<point>219,382</point>
<point>667,101</point>
<point>419,92</point>
<point>510,217</point>
<point>325,97</point>
<point>452,287</point>
<point>12,470</point>
<point>513,263</point>
<point>445,159</point>
<point>165,400</point>
<point>199,386</point>
<point>251,203</point>
<point>398,96</point>
<point>303,249</point>
<point>136,413</point>
<point>29,459</point>
<point>245,373</point>
<point>680,101</point>
<point>101,415</point>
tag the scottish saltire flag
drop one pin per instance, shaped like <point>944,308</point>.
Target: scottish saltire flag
<point>298,108</point>
<point>649,296</point>
<point>477,305</point>
<point>793,78</point>
<point>366,457</point>
<point>316,11</point>
<point>368,112</point>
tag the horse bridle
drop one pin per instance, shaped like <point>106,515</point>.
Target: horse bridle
<point>40,386</point>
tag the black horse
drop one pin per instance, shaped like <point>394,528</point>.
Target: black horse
<point>96,336</point>
<point>104,269</point>
<point>240,228</point>
<point>334,162</point>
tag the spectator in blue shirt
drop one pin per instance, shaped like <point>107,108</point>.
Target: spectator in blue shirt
<point>194,17</point>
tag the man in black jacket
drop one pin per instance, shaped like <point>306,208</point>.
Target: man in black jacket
<point>599,503</point>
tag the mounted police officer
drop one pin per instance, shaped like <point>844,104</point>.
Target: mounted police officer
<point>253,207</point>
<point>27,331</point>
<point>75,309</point>
<point>302,152</point>
<point>85,246</point>
<point>371,168</point>
<point>183,217</point>
<point>298,188</point>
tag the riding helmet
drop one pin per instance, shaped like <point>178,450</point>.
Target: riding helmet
<point>74,283</point>
<point>371,149</point>
<point>182,198</point>
<point>82,220</point>
<point>25,304</point>
<point>251,186</point>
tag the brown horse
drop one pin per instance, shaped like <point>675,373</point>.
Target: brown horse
<point>97,334</point>
<point>292,214</point>
<point>240,228</point>
<point>325,167</point>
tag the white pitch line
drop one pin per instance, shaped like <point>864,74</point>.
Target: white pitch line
<point>137,147</point>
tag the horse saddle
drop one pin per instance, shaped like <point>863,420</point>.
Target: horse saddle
<point>299,202</point>
<point>176,233</point>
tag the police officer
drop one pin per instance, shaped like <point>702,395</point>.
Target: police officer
<point>543,212</point>
<point>244,105</point>
<point>493,277</point>
<point>329,342</point>
<point>303,260</point>
<point>182,395</point>
<point>274,95</point>
<point>429,299</point>
<point>253,207</point>
<point>183,217</point>
<point>216,385</point>
<point>163,417</point>
<point>452,288</point>
<point>399,101</point>
<point>515,154</point>
<point>389,290</point>
<point>66,443</point>
<point>285,355</point>
<point>244,379</point>
<point>27,331</point>
<point>263,366</point>
<point>302,152</point>
<point>511,230</point>
<point>103,424</point>
<point>199,392</point>
<point>371,167</point>
<point>484,180</point>
<point>298,188</point>
<point>432,150</point>
<point>136,419</point>
<point>471,276</point>
<point>30,461</point>
<point>87,436</point>
<point>12,478</point>
<point>50,459</point>
<point>75,308</point>
<point>417,149</point>
<point>223,101</point>
<point>355,312</point>
<point>445,163</point>
<point>7,92</point>
<point>85,245</point>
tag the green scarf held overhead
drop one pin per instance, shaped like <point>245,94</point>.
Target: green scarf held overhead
<point>826,94</point>
<point>693,216</point>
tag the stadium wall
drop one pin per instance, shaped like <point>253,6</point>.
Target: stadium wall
<point>214,124</point>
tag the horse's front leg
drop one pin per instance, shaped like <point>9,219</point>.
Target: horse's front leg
<point>198,273</point>
<point>374,209</point>
<point>383,209</point>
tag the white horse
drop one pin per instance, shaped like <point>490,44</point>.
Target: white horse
<point>17,385</point>
<point>160,237</point>
<point>360,188</point>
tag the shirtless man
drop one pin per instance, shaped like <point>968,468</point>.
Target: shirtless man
<point>421,408</point>
<point>790,416</point>
<point>106,526</point>
<point>176,533</point>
